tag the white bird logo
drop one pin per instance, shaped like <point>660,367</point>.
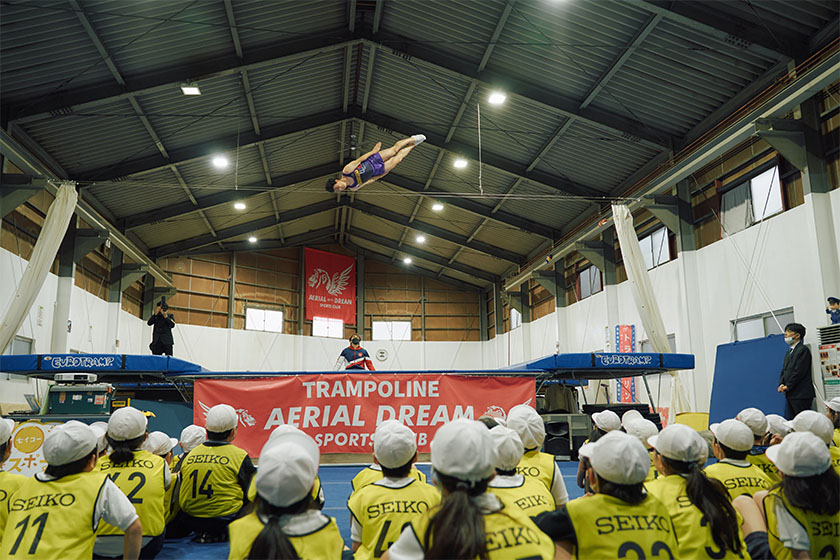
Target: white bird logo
<point>335,284</point>
<point>242,414</point>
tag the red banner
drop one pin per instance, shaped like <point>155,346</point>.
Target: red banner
<point>330,286</point>
<point>341,411</point>
<point>625,341</point>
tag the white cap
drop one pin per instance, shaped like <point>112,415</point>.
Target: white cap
<point>68,442</point>
<point>287,469</point>
<point>159,443</point>
<point>734,434</point>
<point>126,423</point>
<point>5,430</point>
<point>680,443</point>
<point>509,448</point>
<point>776,425</point>
<point>394,444</point>
<point>526,421</point>
<point>101,430</point>
<point>606,420</point>
<point>631,415</point>
<point>221,418</point>
<point>814,422</point>
<point>800,454</point>
<point>833,404</point>
<point>280,431</point>
<point>642,429</point>
<point>191,437</point>
<point>755,420</point>
<point>464,450</point>
<point>618,457</point>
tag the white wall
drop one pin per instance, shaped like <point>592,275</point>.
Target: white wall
<point>779,254</point>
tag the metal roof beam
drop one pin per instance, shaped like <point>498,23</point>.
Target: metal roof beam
<point>739,33</point>
<point>293,241</point>
<point>241,229</point>
<point>90,97</point>
<point>421,254</point>
<point>435,231</point>
<point>607,121</point>
<point>223,197</point>
<point>415,269</point>
<point>205,149</point>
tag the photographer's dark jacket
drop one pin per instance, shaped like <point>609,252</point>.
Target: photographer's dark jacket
<point>163,326</point>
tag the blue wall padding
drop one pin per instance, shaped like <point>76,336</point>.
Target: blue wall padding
<point>747,374</point>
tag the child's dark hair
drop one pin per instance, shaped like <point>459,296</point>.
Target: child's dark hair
<point>123,450</point>
<point>488,421</point>
<point>399,472</point>
<point>730,453</point>
<point>331,184</point>
<point>272,542</point>
<point>3,449</point>
<point>711,498</point>
<point>218,436</point>
<point>833,415</point>
<point>77,466</point>
<point>456,530</point>
<point>800,492</point>
<point>631,493</point>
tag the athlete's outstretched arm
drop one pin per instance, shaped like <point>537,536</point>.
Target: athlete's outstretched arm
<point>356,162</point>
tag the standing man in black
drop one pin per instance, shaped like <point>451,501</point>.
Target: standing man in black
<point>162,324</point>
<point>795,379</point>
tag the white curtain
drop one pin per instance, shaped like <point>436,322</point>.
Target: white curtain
<point>43,256</point>
<point>648,308</point>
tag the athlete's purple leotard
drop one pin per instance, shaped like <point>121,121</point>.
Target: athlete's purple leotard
<point>368,169</point>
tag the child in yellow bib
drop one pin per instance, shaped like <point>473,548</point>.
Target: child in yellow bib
<point>528,424</point>
<point>380,510</point>
<point>9,483</point>
<point>373,473</point>
<point>619,520</point>
<point>819,425</point>
<point>55,514</point>
<point>643,429</point>
<point>160,444</point>
<point>284,525</point>
<point>141,475</point>
<point>515,490</point>
<point>733,440</point>
<point>803,513</point>
<point>706,523</point>
<point>833,413</point>
<point>469,522</point>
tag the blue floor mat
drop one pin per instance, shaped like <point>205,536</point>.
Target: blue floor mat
<point>335,480</point>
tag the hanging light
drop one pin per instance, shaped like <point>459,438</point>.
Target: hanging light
<point>459,163</point>
<point>496,98</point>
<point>220,162</point>
<point>421,239</point>
<point>437,206</point>
<point>239,205</point>
<point>253,239</point>
<point>190,88</point>
<point>407,260</point>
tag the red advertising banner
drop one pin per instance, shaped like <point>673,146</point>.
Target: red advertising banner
<point>341,411</point>
<point>330,286</point>
<point>625,341</point>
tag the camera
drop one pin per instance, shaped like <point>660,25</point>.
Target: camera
<point>163,305</point>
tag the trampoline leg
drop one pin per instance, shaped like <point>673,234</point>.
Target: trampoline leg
<point>650,396</point>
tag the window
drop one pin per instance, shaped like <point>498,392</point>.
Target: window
<point>515,318</point>
<point>19,345</point>
<point>392,330</point>
<point>752,201</point>
<point>655,248</point>
<point>269,320</point>
<point>590,281</point>
<point>646,347</point>
<point>331,328</point>
<point>759,326</point>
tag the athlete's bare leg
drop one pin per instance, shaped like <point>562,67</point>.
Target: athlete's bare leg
<point>396,159</point>
<point>411,141</point>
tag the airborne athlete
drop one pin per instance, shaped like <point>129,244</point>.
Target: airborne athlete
<point>373,165</point>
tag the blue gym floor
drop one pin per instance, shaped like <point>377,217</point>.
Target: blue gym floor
<point>336,482</point>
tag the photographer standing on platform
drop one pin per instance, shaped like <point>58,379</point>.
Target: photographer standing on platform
<point>354,356</point>
<point>162,323</point>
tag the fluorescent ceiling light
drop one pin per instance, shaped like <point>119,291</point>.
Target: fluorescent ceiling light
<point>252,239</point>
<point>239,205</point>
<point>190,88</point>
<point>407,260</point>
<point>220,162</point>
<point>421,239</point>
<point>459,163</point>
<point>437,206</point>
<point>496,98</point>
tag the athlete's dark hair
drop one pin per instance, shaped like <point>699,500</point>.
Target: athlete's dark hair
<point>710,497</point>
<point>631,493</point>
<point>456,530</point>
<point>399,472</point>
<point>331,184</point>
<point>796,328</point>
<point>218,436</point>
<point>800,491</point>
<point>272,542</point>
<point>730,453</point>
<point>123,450</point>
<point>77,466</point>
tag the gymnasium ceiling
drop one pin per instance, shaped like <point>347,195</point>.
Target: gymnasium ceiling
<point>597,94</point>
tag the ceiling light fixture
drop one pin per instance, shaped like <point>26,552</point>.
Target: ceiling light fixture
<point>459,163</point>
<point>437,206</point>
<point>239,205</point>
<point>496,98</point>
<point>252,239</point>
<point>407,260</point>
<point>220,162</point>
<point>421,239</point>
<point>190,88</point>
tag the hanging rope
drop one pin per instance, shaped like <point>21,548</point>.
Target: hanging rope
<point>478,113</point>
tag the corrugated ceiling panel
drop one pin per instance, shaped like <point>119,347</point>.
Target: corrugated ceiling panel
<point>801,18</point>
<point>482,262</point>
<point>204,178</point>
<point>45,50</point>
<point>387,196</point>
<point>144,36</point>
<point>543,206</point>
<point>461,27</point>
<point>303,225</point>
<point>263,23</point>
<point>227,216</point>
<point>92,142</point>
<point>139,194</point>
<point>565,46</point>
<point>184,227</point>
<point>303,150</point>
<point>505,237</point>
